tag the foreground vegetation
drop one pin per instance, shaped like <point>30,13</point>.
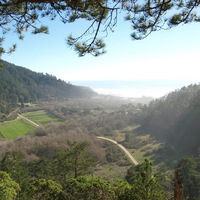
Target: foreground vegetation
<point>62,178</point>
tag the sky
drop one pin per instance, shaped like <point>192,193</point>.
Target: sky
<point>170,56</point>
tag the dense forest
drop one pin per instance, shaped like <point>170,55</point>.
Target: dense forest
<point>21,85</point>
<point>174,119</point>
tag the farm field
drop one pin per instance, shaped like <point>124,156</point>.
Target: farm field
<point>41,117</point>
<point>15,128</point>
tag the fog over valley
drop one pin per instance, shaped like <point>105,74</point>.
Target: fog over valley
<point>135,88</point>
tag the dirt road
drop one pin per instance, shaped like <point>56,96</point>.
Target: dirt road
<point>22,117</point>
<point>122,147</point>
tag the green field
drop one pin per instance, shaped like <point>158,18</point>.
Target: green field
<point>15,128</point>
<point>146,151</point>
<point>41,117</point>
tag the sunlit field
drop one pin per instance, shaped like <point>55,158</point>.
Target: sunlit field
<point>13,129</point>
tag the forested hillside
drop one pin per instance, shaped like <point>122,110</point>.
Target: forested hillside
<point>175,120</point>
<point>18,84</point>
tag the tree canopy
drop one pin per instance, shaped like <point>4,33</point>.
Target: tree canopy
<point>145,16</point>
<point>8,187</point>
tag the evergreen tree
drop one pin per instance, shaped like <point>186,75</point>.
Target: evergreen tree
<point>8,188</point>
<point>145,16</point>
<point>85,188</point>
<point>190,177</point>
<point>145,184</point>
<point>74,161</point>
<point>14,164</point>
<point>42,189</point>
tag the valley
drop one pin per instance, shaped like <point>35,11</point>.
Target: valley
<point>51,130</point>
<point>52,123</point>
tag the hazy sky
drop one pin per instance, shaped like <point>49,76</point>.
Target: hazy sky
<point>172,54</point>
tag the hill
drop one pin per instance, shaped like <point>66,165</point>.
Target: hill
<point>21,85</point>
<point>174,119</point>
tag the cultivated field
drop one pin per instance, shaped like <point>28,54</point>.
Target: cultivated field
<point>15,128</point>
<point>41,117</point>
<point>19,127</point>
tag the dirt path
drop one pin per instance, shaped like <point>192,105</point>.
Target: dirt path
<point>22,117</point>
<point>122,147</point>
<point>13,112</point>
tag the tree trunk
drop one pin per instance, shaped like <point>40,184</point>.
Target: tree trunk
<point>178,187</point>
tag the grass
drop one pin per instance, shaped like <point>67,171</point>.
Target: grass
<point>145,151</point>
<point>1,136</point>
<point>15,128</point>
<point>119,135</point>
<point>41,117</point>
<point>111,171</point>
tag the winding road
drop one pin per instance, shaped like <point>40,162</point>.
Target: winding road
<point>122,147</point>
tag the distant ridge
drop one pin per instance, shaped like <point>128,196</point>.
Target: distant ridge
<point>21,85</point>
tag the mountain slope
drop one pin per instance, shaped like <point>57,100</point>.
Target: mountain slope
<point>18,84</point>
<point>174,119</point>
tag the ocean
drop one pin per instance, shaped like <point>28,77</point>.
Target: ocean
<point>135,88</point>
